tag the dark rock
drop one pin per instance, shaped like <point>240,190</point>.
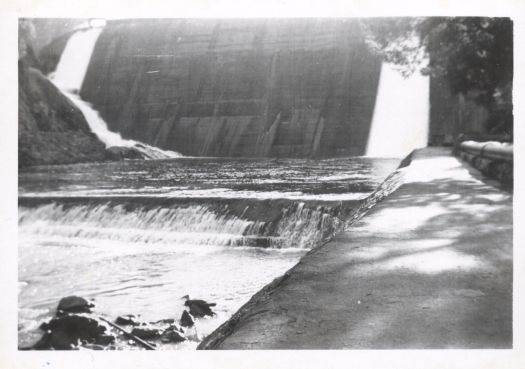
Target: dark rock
<point>91,346</point>
<point>200,308</point>
<point>176,327</point>
<point>73,304</point>
<point>186,320</point>
<point>126,320</point>
<point>105,339</point>
<point>122,152</point>
<point>66,332</point>
<point>146,333</point>
<point>172,334</point>
<point>44,326</point>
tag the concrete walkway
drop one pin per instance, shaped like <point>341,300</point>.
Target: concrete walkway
<point>429,267</point>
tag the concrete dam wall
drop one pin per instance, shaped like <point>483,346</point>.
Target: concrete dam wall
<point>278,88</point>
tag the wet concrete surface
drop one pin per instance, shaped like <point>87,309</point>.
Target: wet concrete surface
<point>429,267</point>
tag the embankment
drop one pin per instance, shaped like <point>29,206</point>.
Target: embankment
<point>429,267</point>
<point>51,129</point>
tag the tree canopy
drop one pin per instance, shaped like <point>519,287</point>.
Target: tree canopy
<point>473,54</point>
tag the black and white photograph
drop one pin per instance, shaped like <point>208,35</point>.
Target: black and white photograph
<point>265,183</point>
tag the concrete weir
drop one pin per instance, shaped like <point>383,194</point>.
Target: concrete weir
<point>428,267</point>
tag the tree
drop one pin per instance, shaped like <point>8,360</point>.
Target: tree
<point>473,54</point>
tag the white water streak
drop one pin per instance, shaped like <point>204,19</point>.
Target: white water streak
<point>193,225</point>
<point>401,114</point>
<point>299,227</point>
<point>69,76</point>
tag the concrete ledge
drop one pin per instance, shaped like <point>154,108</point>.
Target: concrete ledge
<point>494,159</point>
<point>489,150</point>
<point>428,267</point>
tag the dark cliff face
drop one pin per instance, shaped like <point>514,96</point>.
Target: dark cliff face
<point>283,88</point>
<point>51,130</point>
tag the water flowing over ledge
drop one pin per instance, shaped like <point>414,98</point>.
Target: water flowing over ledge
<point>136,235</point>
<point>393,279</point>
<point>226,222</point>
<point>387,187</point>
<point>136,254</point>
<point>69,76</point>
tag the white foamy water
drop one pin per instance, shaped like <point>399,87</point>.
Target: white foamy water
<point>401,114</point>
<point>217,193</point>
<point>194,225</point>
<point>69,76</point>
<point>136,259</point>
<point>137,235</point>
<point>144,278</point>
<point>100,128</point>
<point>298,227</point>
<point>74,61</point>
<point>141,261</point>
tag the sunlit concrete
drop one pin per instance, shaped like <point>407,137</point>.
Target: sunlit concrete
<point>429,267</point>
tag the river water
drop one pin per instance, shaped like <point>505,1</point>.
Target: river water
<point>135,236</point>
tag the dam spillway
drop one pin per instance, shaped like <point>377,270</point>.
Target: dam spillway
<point>136,234</point>
<point>293,88</point>
<point>69,77</point>
<point>246,88</point>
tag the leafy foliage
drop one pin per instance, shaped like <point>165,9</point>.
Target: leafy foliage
<point>473,54</point>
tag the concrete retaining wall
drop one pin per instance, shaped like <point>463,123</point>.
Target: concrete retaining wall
<point>494,159</point>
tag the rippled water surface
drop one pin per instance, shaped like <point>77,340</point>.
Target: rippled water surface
<point>211,177</point>
<point>135,236</point>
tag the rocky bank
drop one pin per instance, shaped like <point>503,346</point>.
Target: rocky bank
<point>51,130</point>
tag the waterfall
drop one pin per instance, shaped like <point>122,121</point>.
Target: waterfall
<point>69,76</point>
<point>74,61</point>
<point>400,120</point>
<point>298,226</point>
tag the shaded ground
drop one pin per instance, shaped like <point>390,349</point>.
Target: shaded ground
<point>430,267</point>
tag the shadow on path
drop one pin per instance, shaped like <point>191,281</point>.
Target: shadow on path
<point>429,267</point>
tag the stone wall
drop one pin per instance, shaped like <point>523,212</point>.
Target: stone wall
<point>279,88</point>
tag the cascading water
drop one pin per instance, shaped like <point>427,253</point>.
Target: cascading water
<point>69,76</point>
<point>74,61</point>
<point>137,235</point>
<point>129,235</point>
<point>131,256</point>
<point>400,120</point>
<point>297,227</point>
<point>194,225</point>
